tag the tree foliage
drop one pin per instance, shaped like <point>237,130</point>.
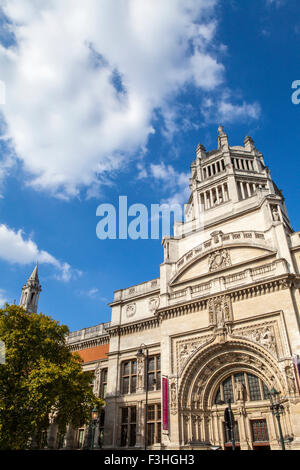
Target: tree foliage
<point>40,376</point>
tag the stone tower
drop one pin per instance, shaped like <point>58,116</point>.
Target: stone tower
<point>31,292</point>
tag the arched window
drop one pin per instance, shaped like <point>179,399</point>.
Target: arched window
<point>255,389</point>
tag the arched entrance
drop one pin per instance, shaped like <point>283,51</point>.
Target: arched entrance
<point>239,370</point>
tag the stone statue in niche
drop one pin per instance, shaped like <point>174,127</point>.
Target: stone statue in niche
<point>239,390</point>
<point>220,311</point>
<point>275,213</point>
<point>173,396</point>
<point>140,373</point>
<point>96,387</point>
<point>290,380</point>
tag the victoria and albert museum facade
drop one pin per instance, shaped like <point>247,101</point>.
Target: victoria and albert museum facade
<point>218,328</point>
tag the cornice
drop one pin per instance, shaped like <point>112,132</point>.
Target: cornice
<point>129,328</point>
<point>90,343</point>
<point>236,294</point>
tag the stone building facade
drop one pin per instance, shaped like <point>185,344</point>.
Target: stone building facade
<point>221,322</point>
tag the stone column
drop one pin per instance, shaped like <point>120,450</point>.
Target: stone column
<point>242,190</point>
<point>140,423</point>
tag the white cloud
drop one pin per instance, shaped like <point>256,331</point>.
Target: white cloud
<point>176,184</point>
<point>15,249</point>
<point>277,3</point>
<point>94,294</point>
<point>223,110</point>
<point>234,112</point>
<point>84,79</point>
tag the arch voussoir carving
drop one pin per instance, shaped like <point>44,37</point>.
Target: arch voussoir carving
<point>200,376</point>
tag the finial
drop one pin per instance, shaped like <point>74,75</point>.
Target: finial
<point>249,143</point>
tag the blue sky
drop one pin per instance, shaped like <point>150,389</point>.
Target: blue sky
<point>111,98</point>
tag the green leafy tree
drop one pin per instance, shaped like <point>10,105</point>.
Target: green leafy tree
<point>40,375</point>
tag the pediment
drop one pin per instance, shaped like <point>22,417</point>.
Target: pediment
<point>221,259</point>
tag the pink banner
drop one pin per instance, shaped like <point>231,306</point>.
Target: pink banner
<point>165,398</point>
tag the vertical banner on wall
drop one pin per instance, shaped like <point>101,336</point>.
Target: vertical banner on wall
<point>165,400</point>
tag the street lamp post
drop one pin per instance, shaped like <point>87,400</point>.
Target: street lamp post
<point>95,420</point>
<point>229,420</point>
<point>231,423</point>
<point>277,409</point>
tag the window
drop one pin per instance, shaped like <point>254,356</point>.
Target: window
<point>154,377</point>
<point>154,424</point>
<point>128,384</point>
<point>60,440</point>
<point>255,389</point>
<point>259,430</point>
<point>103,385</point>
<point>227,433</point>
<point>128,426</point>
<point>228,389</point>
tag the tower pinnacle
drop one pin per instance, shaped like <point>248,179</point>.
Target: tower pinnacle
<point>31,292</point>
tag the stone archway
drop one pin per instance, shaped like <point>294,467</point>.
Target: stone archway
<point>200,419</point>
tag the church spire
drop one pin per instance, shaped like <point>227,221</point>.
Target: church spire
<point>31,292</point>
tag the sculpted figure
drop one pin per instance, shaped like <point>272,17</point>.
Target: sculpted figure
<point>290,380</point>
<point>239,390</point>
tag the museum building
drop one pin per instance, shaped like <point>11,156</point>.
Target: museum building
<point>219,328</point>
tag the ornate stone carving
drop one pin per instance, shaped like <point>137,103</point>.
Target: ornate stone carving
<point>216,236</point>
<point>173,396</point>
<point>263,335</point>
<point>185,349</point>
<point>219,259</point>
<point>96,387</point>
<point>220,311</point>
<point>130,310</point>
<point>154,304</point>
<point>290,378</point>
<point>140,374</point>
